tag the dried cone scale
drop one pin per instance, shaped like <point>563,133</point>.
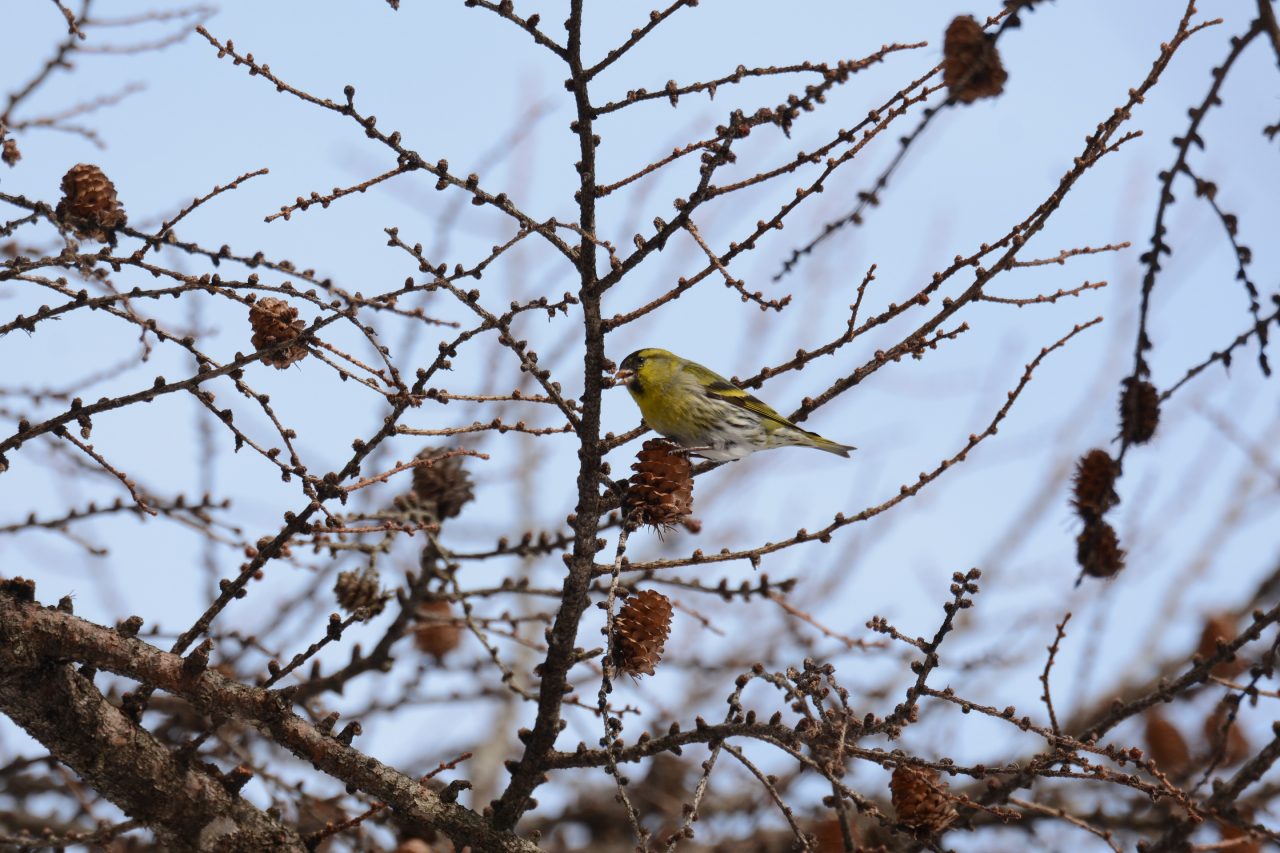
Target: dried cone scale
<point>920,798</point>
<point>660,492</point>
<point>971,65</point>
<point>640,631</point>
<point>274,321</point>
<point>89,205</point>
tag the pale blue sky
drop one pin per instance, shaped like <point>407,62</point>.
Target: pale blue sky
<point>456,82</point>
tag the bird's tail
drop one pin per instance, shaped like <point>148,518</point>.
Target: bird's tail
<point>812,439</point>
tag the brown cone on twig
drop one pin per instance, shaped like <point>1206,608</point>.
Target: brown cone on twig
<point>1098,549</point>
<point>1231,832</point>
<point>9,152</point>
<point>1094,484</point>
<point>89,205</point>
<point>1167,746</point>
<point>444,485</point>
<point>829,837</point>
<point>1220,628</point>
<point>1139,411</point>
<point>275,321</point>
<point>971,65</point>
<point>1229,741</point>
<point>920,798</point>
<point>436,633</point>
<point>640,631</point>
<point>660,492</point>
<point>362,589</point>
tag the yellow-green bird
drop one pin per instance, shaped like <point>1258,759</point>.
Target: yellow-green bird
<point>706,413</point>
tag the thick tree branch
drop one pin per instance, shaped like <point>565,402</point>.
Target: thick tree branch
<point>187,807</point>
<point>35,640</point>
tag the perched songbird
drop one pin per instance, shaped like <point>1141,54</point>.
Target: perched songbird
<point>707,413</point>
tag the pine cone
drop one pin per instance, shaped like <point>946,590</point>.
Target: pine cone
<point>360,589</point>
<point>1167,746</point>
<point>9,152</point>
<point>640,631</point>
<point>971,65</point>
<point>829,838</point>
<point>1231,742</point>
<point>89,205</point>
<point>436,633</point>
<point>920,798</point>
<point>1220,628</point>
<point>1098,549</point>
<point>1094,489</point>
<point>1139,411</point>
<point>1231,832</point>
<point>660,492</point>
<point>274,321</point>
<point>444,484</point>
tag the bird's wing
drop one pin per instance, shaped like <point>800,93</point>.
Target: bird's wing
<point>720,388</point>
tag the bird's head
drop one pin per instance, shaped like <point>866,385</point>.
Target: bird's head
<point>645,368</point>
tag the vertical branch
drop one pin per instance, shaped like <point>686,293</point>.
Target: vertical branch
<point>527,774</point>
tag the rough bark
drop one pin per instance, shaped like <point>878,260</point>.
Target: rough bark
<point>123,761</point>
<point>186,806</point>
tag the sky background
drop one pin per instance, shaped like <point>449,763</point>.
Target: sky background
<point>1199,506</point>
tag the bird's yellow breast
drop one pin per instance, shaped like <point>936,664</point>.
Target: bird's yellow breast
<point>666,407</point>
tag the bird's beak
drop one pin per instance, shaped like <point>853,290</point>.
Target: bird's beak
<point>623,377</point>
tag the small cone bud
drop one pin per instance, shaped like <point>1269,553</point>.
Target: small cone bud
<point>1098,549</point>
<point>1139,411</point>
<point>971,65</point>
<point>436,633</point>
<point>444,484</point>
<point>9,152</point>
<point>1093,488</point>
<point>1167,746</point>
<point>660,492</point>
<point>89,205</point>
<point>640,631</point>
<point>920,798</point>
<point>274,321</point>
<point>363,589</point>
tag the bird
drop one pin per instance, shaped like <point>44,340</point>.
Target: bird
<point>705,413</point>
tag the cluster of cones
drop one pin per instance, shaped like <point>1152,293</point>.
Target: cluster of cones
<point>91,209</point>
<point>441,487</point>
<point>1098,548</point>
<point>658,495</point>
<point>1223,743</point>
<point>1223,739</point>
